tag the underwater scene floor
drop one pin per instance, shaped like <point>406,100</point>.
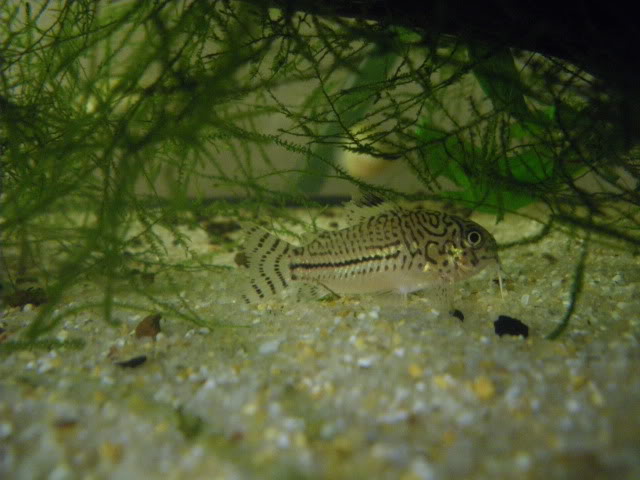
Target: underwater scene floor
<point>370,386</point>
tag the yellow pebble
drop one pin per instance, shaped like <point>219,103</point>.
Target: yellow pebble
<point>360,343</point>
<point>578,381</point>
<point>443,381</point>
<point>328,388</point>
<point>448,438</point>
<point>111,452</point>
<point>300,440</point>
<point>414,370</point>
<point>306,351</point>
<point>185,373</point>
<point>99,398</point>
<point>250,409</point>
<point>410,476</point>
<point>596,397</point>
<point>161,427</point>
<point>483,387</point>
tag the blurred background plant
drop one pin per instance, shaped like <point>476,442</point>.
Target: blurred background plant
<point>121,118</point>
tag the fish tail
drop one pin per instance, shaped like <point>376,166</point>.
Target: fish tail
<point>267,259</point>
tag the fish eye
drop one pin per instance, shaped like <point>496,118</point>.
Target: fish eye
<point>474,238</point>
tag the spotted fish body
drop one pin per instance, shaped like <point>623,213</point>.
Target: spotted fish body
<point>395,249</point>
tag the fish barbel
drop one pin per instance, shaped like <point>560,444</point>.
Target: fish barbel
<point>386,249</point>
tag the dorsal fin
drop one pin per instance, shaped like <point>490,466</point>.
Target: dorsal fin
<point>367,205</point>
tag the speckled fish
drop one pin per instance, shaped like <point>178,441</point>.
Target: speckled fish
<point>388,248</point>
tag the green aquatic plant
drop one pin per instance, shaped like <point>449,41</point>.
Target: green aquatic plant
<point>123,124</point>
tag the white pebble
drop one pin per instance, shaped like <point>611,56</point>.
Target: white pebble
<point>61,472</point>
<point>329,430</point>
<point>572,405</point>
<point>293,424</point>
<point>210,384</point>
<point>271,346</point>
<point>394,417</point>
<point>465,419</point>
<point>421,469</point>
<point>523,461</point>
<point>45,365</point>
<point>525,300</point>
<point>6,429</point>
<point>62,335</point>
<point>366,362</point>
<point>282,441</point>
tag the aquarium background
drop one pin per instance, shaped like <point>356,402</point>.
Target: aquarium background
<point>136,138</point>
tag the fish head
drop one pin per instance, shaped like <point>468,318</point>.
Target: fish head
<point>480,244</point>
<point>468,249</point>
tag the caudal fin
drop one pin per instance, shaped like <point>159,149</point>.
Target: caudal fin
<point>267,259</point>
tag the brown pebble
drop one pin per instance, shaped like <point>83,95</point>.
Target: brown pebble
<point>149,326</point>
<point>113,352</point>
<point>65,424</point>
<point>4,334</point>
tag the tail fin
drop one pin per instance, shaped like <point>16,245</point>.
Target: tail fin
<point>266,257</point>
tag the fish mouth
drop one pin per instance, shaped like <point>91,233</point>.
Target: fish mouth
<point>465,269</point>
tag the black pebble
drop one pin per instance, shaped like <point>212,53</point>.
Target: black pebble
<point>133,362</point>
<point>458,314</point>
<point>510,326</point>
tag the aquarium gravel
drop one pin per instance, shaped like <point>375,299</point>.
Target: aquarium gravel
<point>367,386</point>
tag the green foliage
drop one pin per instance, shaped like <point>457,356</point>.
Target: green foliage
<point>118,120</point>
<point>101,102</point>
<point>353,104</point>
<point>509,159</point>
